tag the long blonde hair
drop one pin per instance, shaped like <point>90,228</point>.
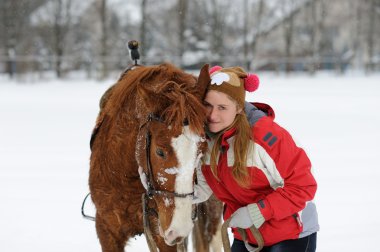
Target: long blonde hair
<point>242,140</point>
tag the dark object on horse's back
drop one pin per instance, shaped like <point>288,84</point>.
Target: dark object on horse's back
<point>133,45</point>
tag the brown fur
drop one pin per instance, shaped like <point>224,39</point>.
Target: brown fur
<point>119,147</point>
<point>209,220</point>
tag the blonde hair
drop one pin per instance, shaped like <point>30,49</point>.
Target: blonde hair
<point>242,140</point>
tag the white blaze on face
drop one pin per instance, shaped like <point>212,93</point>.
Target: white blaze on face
<point>186,148</point>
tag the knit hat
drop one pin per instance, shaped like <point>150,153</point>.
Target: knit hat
<point>233,81</point>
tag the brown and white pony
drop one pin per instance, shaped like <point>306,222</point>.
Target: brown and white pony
<point>152,119</point>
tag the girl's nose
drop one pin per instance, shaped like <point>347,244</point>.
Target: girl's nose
<point>211,114</point>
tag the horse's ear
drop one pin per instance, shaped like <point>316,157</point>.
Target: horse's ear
<point>203,81</point>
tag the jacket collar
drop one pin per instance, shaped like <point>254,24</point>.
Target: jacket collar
<point>225,136</point>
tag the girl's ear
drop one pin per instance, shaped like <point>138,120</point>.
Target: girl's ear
<point>239,110</point>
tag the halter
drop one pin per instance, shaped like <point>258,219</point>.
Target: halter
<point>151,191</point>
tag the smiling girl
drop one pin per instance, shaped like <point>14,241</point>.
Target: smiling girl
<point>255,168</point>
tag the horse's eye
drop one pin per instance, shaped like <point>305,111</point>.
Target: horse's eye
<point>160,153</point>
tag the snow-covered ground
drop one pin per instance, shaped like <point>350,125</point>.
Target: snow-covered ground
<point>45,128</point>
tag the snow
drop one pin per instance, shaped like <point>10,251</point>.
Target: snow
<point>44,157</point>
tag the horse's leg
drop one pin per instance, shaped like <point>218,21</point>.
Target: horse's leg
<point>199,234</point>
<point>215,211</point>
<point>216,240</point>
<point>109,235</point>
<point>207,229</point>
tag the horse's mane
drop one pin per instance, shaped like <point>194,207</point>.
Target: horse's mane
<point>172,94</point>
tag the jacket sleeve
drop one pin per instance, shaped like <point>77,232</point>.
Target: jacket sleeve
<point>289,172</point>
<point>202,191</point>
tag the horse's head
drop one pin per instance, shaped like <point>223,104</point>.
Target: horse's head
<point>170,143</point>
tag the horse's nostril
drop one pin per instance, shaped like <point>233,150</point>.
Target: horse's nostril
<point>172,237</point>
<point>178,240</point>
<point>175,241</point>
<point>171,234</point>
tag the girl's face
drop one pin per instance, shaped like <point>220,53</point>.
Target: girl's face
<point>221,110</point>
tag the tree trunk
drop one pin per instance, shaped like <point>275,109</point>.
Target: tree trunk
<point>217,31</point>
<point>143,44</point>
<point>58,37</point>
<point>182,13</point>
<point>9,18</point>
<point>104,50</point>
<point>288,39</point>
<point>245,32</point>
<point>370,37</point>
<point>259,15</point>
<point>313,65</point>
<point>62,21</point>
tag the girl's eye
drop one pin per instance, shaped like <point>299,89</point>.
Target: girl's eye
<point>160,153</point>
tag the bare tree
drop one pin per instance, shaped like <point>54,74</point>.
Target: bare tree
<point>371,35</point>
<point>144,20</point>
<point>15,30</point>
<point>218,25</point>
<point>314,35</point>
<point>258,23</point>
<point>103,46</point>
<point>245,33</point>
<point>288,26</point>
<point>182,13</point>
<point>9,19</point>
<point>61,26</point>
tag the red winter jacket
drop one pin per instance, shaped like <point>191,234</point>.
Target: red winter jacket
<point>281,180</point>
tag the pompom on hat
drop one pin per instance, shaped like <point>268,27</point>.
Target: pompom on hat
<point>233,81</point>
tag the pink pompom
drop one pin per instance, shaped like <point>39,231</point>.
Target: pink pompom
<point>251,83</point>
<point>214,69</point>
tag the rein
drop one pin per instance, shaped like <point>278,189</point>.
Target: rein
<point>243,233</point>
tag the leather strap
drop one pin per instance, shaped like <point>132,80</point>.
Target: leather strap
<point>256,233</point>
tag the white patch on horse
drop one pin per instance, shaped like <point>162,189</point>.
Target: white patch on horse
<point>186,148</point>
<point>172,171</point>
<point>167,201</point>
<point>161,179</point>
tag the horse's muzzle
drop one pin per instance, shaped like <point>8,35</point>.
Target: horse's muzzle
<point>172,238</point>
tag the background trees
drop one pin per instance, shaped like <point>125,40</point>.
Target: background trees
<point>281,35</point>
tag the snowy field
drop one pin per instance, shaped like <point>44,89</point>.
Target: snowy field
<point>45,129</point>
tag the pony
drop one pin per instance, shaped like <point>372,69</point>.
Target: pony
<point>151,123</point>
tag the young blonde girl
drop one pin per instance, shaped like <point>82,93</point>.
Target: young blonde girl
<point>254,167</point>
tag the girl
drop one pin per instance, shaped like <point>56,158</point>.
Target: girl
<point>254,167</point>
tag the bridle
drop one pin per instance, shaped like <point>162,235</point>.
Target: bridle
<point>151,190</point>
